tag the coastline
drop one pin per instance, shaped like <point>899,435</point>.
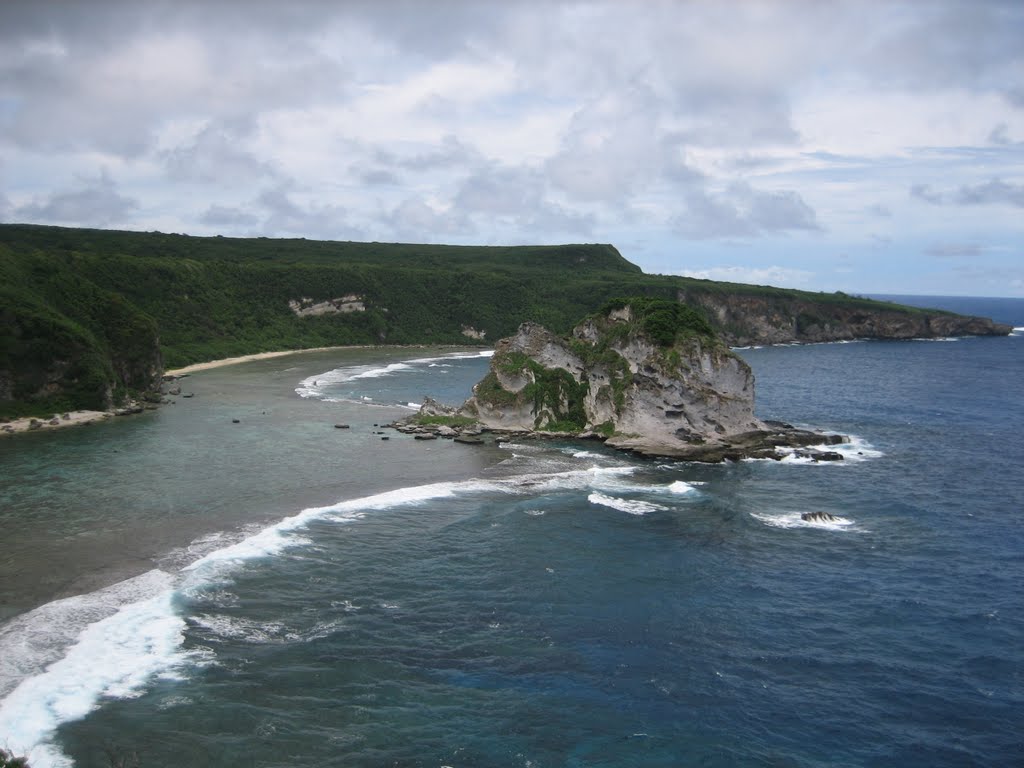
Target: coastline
<point>183,475</point>
<point>69,419</point>
<point>196,367</point>
<point>86,417</point>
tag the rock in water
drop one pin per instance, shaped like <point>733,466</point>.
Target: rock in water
<point>649,375</point>
<point>818,517</point>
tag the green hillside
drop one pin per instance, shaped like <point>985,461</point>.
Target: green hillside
<point>90,316</point>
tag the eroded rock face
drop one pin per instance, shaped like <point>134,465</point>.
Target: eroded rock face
<point>306,307</point>
<point>659,384</point>
<point>757,319</point>
<point>610,379</point>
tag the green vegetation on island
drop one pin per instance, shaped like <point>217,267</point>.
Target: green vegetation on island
<point>91,317</point>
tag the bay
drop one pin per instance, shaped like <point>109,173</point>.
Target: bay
<point>199,592</point>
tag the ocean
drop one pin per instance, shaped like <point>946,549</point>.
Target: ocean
<point>178,589</point>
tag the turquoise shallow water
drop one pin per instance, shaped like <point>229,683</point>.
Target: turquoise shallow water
<point>302,595</point>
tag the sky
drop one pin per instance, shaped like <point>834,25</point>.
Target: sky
<point>868,147</point>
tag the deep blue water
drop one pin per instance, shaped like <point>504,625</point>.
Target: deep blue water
<point>556,604</point>
<point>1002,310</point>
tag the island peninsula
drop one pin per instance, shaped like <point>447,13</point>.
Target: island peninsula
<point>91,318</point>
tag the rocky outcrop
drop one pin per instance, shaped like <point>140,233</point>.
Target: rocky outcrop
<point>818,517</point>
<point>771,316</point>
<point>645,377</point>
<point>343,305</point>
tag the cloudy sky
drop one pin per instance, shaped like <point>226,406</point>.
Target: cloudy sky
<point>858,146</point>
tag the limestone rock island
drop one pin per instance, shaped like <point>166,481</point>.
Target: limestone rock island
<point>646,375</point>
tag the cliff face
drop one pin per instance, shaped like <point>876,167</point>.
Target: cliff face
<point>52,362</point>
<point>746,319</point>
<point>690,398</point>
<point>693,391</point>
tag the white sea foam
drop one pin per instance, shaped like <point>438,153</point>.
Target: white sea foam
<point>59,660</point>
<point>1017,332</point>
<point>523,447</point>
<point>587,455</point>
<point>597,478</point>
<point>682,487</point>
<point>218,565</point>
<point>112,656</point>
<point>315,386</point>
<point>854,451</point>
<point>262,632</point>
<point>794,520</point>
<point>632,506</point>
<point>56,662</point>
<point>376,373</point>
<point>453,356</point>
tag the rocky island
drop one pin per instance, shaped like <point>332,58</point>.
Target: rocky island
<point>648,376</point>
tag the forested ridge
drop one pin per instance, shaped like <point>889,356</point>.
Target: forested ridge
<point>90,316</point>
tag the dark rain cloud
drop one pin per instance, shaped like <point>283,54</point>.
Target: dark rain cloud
<point>992,192</point>
<point>450,152</point>
<point>952,44</point>
<point>282,215</point>
<point>228,217</point>
<point>414,220</point>
<point>92,202</point>
<point>743,212</point>
<point>215,156</point>
<point>520,195</point>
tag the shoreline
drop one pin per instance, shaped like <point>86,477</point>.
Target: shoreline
<point>210,364</point>
<point>197,367</point>
<point>69,419</point>
<point>83,418</point>
<point>69,565</point>
<point>86,417</point>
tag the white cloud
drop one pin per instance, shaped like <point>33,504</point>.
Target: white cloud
<point>785,277</point>
<point>703,123</point>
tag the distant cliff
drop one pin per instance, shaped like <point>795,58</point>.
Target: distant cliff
<point>747,317</point>
<point>646,375</point>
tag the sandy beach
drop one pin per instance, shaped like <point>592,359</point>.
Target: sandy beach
<point>196,367</point>
<point>81,418</point>
<point>69,419</point>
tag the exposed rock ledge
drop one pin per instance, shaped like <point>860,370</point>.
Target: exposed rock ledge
<point>780,317</point>
<point>306,307</point>
<point>645,376</point>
